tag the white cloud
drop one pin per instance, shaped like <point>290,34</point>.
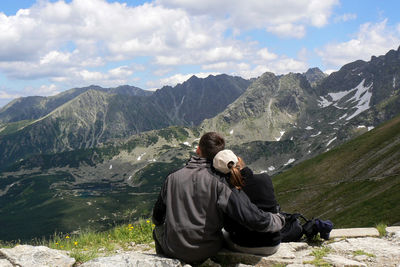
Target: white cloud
<point>329,71</point>
<point>249,72</point>
<point>122,71</point>
<point>288,30</point>
<point>276,16</point>
<point>47,90</point>
<point>5,95</point>
<point>219,65</point>
<point>73,43</point>
<point>266,55</point>
<point>286,65</point>
<point>345,17</point>
<point>55,57</point>
<point>167,60</point>
<point>372,39</point>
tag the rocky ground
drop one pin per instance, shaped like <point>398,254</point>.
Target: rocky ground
<point>347,247</point>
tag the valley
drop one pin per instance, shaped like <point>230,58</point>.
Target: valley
<point>98,156</point>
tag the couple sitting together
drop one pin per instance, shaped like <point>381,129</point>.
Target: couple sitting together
<point>216,200</point>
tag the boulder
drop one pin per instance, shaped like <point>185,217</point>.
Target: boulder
<point>33,256</point>
<point>132,259</point>
<point>5,263</point>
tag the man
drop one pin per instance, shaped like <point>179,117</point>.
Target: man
<point>189,211</point>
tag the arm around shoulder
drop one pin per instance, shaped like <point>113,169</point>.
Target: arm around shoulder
<point>239,207</point>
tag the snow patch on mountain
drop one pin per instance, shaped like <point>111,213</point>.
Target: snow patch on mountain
<point>362,98</point>
<point>314,135</point>
<point>140,157</point>
<point>330,141</point>
<point>271,168</point>
<point>279,138</point>
<point>289,161</point>
<point>323,103</point>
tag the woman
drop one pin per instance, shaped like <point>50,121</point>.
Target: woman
<point>259,189</point>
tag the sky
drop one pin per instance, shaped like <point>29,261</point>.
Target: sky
<point>49,46</point>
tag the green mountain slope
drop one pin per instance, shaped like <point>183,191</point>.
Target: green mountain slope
<point>35,107</point>
<point>356,184</point>
<point>97,115</point>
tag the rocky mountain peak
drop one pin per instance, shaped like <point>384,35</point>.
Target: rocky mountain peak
<point>314,76</point>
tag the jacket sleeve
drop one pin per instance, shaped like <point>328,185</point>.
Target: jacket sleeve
<point>235,204</point>
<point>159,211</point>
<point>160,208</point>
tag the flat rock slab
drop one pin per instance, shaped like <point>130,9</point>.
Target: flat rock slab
<point>5,263</point>
<point>287,254</point>
<point>377,251</point>
<point>354,232</point>
<point>393,229</point>
<point>132,259</point>
<point>32,256</point>
<point>337,260</point>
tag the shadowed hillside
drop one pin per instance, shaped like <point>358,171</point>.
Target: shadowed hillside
<point>356,184</point>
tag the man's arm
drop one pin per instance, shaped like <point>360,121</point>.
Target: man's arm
<point>237,205</point>
<point>159,211</point>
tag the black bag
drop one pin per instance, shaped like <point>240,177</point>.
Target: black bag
<point>292,231</point>
<point>310,229</point>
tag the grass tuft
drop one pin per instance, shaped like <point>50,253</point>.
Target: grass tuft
<point>319,254</point>
<point>362,252</point>
<point>381,227</point>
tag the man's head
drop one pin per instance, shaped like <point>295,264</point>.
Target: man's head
<point>210,144</point>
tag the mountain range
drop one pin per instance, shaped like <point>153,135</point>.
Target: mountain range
<point>94,157</point>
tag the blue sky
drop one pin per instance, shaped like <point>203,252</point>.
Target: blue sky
<point>47,47</point>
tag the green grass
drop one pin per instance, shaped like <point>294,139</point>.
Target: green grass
<point>381,227</point>
<point>353,185</point>
<point>90,244</point>
<point>53,209</point>
<point>362,252</point>
<point>13,127</point>
<point>319,254</point>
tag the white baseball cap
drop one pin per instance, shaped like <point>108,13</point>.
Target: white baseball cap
<point>222,159</point>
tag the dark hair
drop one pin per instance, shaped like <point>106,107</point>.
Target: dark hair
<point>210,144</point>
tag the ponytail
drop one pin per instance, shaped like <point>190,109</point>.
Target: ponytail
<point>236,177</point>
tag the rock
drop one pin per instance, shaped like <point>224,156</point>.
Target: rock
<point>5,263</point>
<point>288,253</point>
<point>132,259</point>
<point>340,261</point>
<point>27,256</point>
<point>299,265</point>
<point>354,232</point>
<point>393,229</point>
<point>381,250</point>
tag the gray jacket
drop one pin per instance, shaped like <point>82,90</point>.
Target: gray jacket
<point>191,205</point>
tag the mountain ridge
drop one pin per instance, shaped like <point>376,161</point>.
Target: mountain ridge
<point>279,122</point>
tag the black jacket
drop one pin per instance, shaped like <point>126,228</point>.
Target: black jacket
<point>260,190</point>
<point>192,204</point>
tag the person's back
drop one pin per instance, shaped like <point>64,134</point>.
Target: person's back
<point>259,189</point>
<point>189,211</point>
<point>193,220</point>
